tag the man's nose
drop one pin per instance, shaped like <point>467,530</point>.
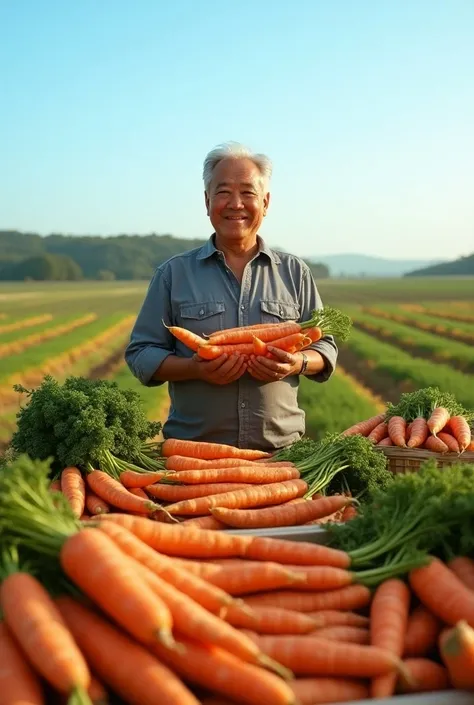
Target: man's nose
<point>235,200</point>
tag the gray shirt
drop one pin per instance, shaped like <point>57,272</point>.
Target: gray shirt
<point>196,290</point>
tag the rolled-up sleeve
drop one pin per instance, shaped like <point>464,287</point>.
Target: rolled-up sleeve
<point>150,341</point>
<point>310,301</point>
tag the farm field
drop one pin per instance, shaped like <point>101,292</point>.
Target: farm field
<point>408,333</point>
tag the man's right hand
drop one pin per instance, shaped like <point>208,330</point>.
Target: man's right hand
<point>222,370</point>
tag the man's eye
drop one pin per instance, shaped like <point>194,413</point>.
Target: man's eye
<point>249,193</point>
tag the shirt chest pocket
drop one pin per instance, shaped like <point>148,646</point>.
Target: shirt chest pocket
<point>202,318</point>
<point>278,311</point>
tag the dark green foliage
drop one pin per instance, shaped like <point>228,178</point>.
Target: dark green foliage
<point>464,266</point>
<point>45,267</point>
<point>423,402</point>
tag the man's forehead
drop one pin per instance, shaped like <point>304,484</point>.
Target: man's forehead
<point>232,182</point>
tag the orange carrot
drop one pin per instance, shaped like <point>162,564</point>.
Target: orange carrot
<point>350,635</point>
<point>221,672</point>
<point>441,591</point>
<point>94,504</point>
<point>266,334</point>
<point>97,692</point>
<point>260,475</point>
<point>312,656</point>
<point>438,419</point>
<point>396,430</point>
<point>204,523</point>
<point>175,493</point>
<point>461,431</point>
<point>271,620</point>
<point>287,342</point>
<point>138,492</point>
<point>422,632</point>
<point>322,691</point>
<point>336,618</point>
<point>252,328</point>
<point>314,334</point>
<point>199,543</point>
<point>379,433</point>
<point>208,451</point>
<point>350,512</point>
<point>321,577</point>
<point>115,494</point>
<point>126,666</point>
<point>388,624</point>
<point>470,447</point>
<point>18,681</point>
<point>191,340</point>
<point>422,676</point>
<point>283,515</point>
<point>113,585</point>
<point>254,496</point>
<point>387,441</point>
<point>259,347</point>
<point>450,441</point>
<point>435,445</point>
<point>256,577</point>
<point>418,432</point>
<point>183,462</point>
<point>130,478</point>
<point>463,568</point>
<point>74,489</point>
<point>211,352</point>
<point>364,427</point>
<point>352,597</point>
<point>35,623</point>
<point>55,486</point>
<point>456,647</point>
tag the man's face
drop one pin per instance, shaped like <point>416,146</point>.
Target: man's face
<point>236,203</point>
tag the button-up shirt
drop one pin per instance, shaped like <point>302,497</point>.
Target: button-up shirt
<point>198,291</point>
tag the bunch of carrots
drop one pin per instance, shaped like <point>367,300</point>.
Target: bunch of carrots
<point>290,336</point>
<point>153,612</point>
<point>230,487</point>
<point>424,419</point>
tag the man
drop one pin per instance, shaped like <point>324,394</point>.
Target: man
<point>233,280</point>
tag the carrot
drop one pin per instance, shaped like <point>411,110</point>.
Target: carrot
<point>126,666</point>
<point>379,433</point>
<point>314,334</point>
<point>435,445</point>
<point>438,419</point>
<point>35,623</point>
<point>364,427</point>
<point>287,342</point>
<point>94,504</point>
<point>138,492</point>
<point>254,496</point>
<point>461,431</point>
<point>185,336</point>
<point>112,585</point>
<point>97,692</point>
<point>422,632</point>
<point>350,635</point>
<point>246,475</point>
<point>418,432</point>
<point>422,676</point>
<point>271,620</point>
<point>352,597</point>
<point>470,447</point>
<point>463,568</point>
<point>18,681</point>
<point>396,430</point>
<point>199,543</point>
<point>388,624</point>
<point>175,493</point>
<point>130,478</point>
<point>183,462</point>
<point>55,486</point>
<point>441,591</point>
<point>256,577</point>
<point>335,618</point>
<point>449,441</point>
<point>204,523</point>
<point>204,593</point>
<point>115,494</point>
<point>208,451</point>
<point>221,672</point>
<point>321,577</point>
<point>266,334</point>
<point>259,347</point>
<point>253,327</point>
<point>74,489</point>
<point>284,515</point>
<point>350,512</point>
<point>211,352</point>
<point>312,656</point>
<point>321,691</point>
<point>456,647</point>
<point>387,441</point>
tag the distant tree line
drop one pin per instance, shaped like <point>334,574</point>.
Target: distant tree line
<point>28,256</point>
<point>462,267</point>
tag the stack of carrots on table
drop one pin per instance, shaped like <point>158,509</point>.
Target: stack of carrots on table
<point>256,339</point>
<point>157,613</point>
<point>426,419</point>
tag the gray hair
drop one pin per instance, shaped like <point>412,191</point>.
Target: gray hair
<point>237,151</point>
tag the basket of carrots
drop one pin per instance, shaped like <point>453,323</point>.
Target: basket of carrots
<point>426,424</point>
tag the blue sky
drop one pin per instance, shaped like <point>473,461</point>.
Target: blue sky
<point>366,108</point>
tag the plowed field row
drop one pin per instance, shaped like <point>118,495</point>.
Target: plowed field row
<point>461,332</point>
<point>17,346</point>
<point>26,323</point>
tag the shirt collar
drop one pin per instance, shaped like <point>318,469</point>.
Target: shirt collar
<point>209,249</point>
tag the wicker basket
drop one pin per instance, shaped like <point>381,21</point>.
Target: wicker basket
<point>410,459</point>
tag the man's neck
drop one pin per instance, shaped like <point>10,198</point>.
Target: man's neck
<point>238,255</point>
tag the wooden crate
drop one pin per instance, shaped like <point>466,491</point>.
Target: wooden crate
<point>410,459</point>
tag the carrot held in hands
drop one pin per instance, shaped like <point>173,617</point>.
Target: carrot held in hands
<point>74,489</point>
<point>212,352</point>
<point>191,340</point>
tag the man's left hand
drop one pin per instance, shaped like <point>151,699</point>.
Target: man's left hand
<point>267,369</point>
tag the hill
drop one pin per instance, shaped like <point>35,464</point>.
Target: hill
<point>356,265</point>
<point>463,267</point>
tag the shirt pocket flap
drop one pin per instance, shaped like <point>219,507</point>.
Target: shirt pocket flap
<point>282,309</point>
<point>202,310</point>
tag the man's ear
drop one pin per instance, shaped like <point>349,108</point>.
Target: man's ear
<point>206,200</point>
<point>266,203</point>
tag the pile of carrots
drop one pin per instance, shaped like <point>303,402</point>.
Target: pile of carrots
<point>439,433</point>
<point>209,485</point>
<point>185,616</point>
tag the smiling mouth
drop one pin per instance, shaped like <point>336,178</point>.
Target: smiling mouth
<point>236,217</point>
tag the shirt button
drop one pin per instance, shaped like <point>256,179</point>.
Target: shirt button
<point>243,405</point>
<point>281,312</point>
<point>242,308</point>
<point>201,312</point>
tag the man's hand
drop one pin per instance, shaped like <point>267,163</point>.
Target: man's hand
<point>222,370</point>
<point>267,369</point>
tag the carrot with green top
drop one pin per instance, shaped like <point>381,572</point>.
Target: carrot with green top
<point>422,675</point>
<point>443,593</point>
<point>322,691</point>
<point>204,523</point>
<point>131,478</point>
<point>463,568</point>
<point>347,634</point>
<point>185,336</point>
<point>74,489</point>
<point>55,485</point>
<point>364,427</point>
<point>438,419</point>
<point>456,646</point>
<point>271,620</point>
<point>254,476</point>
<point>435,445</point>
<point>396,428</point>
<point>461,431</point>
<point>337,618</point>
<point>177,493</point>
<point>208,451</point>
<point>116,495</point>
<point>378,433</point>
<point>95,505</point>
<point>18,681</point>
<point>418,432</point>
<point>183,462</point>
<point>212,352</point>
<point>422,632</point>
<point>450,441</point>
<point>352,597</point>
<point>256,577</point>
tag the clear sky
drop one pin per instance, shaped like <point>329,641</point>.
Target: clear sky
<point>366,108</point>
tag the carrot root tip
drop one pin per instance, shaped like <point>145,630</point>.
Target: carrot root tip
<point>272,665</point>
<point>166,638</point>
